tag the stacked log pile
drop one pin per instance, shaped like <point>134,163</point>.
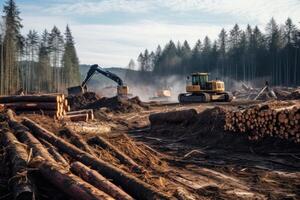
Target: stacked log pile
<point>263,120</point>
<point>54,105</point>
<point>48,104</point>
<point>72,167</point>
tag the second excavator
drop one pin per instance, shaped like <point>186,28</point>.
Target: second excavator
<point>122,89</point>
<point>199,89</point>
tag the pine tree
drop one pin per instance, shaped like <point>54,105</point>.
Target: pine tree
<point>32,46</point>
<point>205,54</point>
<point>273,39</point>
<point>222,42</point>
<point>56,46</point>
<point>10,72</point>
<point>44,66</point>
<point>196,56</point>
<point>71,74</point>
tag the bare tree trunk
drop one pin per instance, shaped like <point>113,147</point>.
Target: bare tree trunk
<point>21,184</point>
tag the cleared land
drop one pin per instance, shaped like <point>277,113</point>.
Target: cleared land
<point>169,151</point>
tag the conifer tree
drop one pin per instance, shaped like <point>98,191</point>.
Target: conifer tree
<point>70,61</point>
<point>10,77</point>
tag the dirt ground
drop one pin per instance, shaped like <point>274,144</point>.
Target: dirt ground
<point>217,165</point>
<point>193,159</point>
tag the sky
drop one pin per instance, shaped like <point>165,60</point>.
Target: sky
<point>111,32</point>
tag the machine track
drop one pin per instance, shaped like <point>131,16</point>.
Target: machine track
<point>203,97</point>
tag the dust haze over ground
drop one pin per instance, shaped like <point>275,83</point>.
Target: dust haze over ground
<point>145,91</point>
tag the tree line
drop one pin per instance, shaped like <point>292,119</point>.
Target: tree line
<point>242,55</point>
<point>35,62</point>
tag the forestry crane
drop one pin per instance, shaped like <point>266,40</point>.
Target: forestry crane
<point>122,90</point>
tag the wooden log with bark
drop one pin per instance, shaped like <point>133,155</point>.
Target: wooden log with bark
<point>90,113</point>
<point>22,186</point>
<point>132,185</point>
<point>123,158</point>
<point>49,104</point>
<point>266,121</point>
<point>30,98</point>
<point>100,182</point>
<point>77,117</point>
<point>54,152</point>
<point>23,134</point>
<point>77,140</point>
<point>33,106</point>
<point>67,182</point>
<point>173,117</point>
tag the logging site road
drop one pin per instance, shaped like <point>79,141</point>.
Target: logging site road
<point>129,149</point>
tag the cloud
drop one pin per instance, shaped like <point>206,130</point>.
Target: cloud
<point>113,44</point>
<point>93,8</point>
<point>116,44</point>
<point>256,10</point>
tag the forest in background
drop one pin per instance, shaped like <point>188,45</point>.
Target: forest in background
<point>35,62</point>
<point>239,55</point>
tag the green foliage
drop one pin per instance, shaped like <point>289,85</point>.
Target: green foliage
<point>237,54</point>
<point>34,63</point>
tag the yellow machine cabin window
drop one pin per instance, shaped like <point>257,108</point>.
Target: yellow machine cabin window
<point>200,80</point>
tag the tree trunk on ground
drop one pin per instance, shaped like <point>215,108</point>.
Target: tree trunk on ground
<point>54,152</point>
<point>123,158</point>
<point>23,134</point>
<point>21,184</point>
<point>134,186</point>
<point>77,140</point>
<point>30,98</point>
<point>70,184</point>
<point>97,180</point>
<point>90,113</point>
<point>77,117</point>
<point>173,117</point>
<point>33,106</point>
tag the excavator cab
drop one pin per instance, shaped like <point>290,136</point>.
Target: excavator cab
<point>77,90</point>
<point>122,90</point>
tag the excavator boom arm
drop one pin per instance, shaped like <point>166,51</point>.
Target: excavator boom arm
<point>96,68</point>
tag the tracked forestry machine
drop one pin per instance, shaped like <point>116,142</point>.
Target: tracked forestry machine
<point>122,89</point>
<point>199,90</point>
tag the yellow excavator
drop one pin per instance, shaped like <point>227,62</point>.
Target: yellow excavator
<point>199,89</point>
<point>122,89</point>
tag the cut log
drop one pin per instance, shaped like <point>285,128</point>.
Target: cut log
<point>173,117</point>
<point>77,117</point>
<point>100,182</point>
<point>33,106</point>
<point>89,128</point>
<point>77,140</point>
<point>26,137</point>
<point>51,113</point>
<point>21,185</point>
<point>90,113</point>
<point>30,98</point>
<point>132,185</point>
<point>54,152</point>
<point>70,184</point>
<point>123,158</point>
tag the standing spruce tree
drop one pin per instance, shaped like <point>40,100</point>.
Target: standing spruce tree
<point>44,65</point>
<point>70,62</point>
<point>222,43</point>
<point>56,44</point>
<point>10,77</point>
<point>32,47</point>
